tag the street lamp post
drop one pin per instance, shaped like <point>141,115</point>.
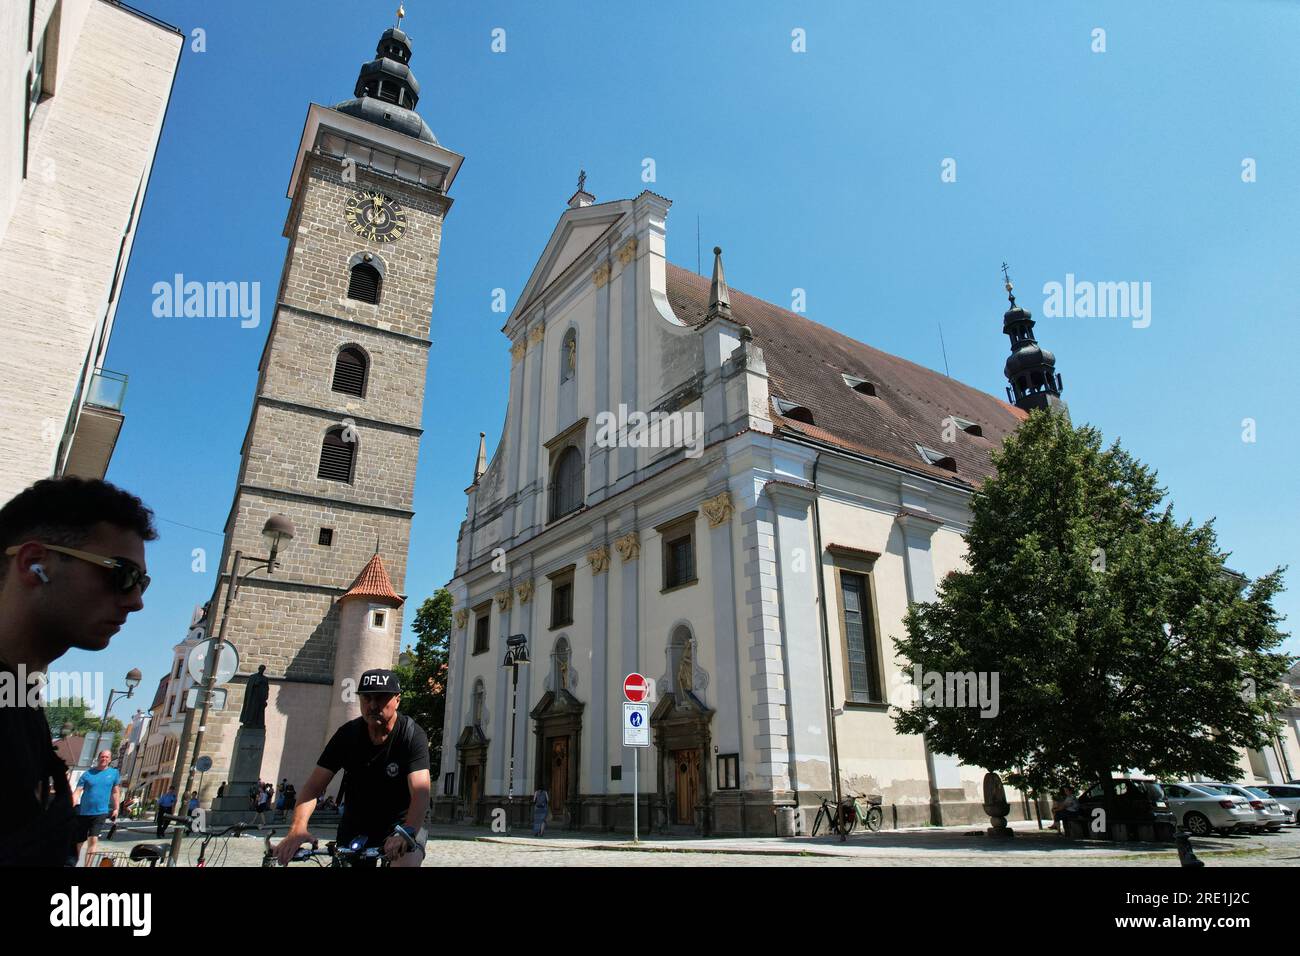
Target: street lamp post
<point>516,654</point>
<point>277,529</point>
<point>133,678</point>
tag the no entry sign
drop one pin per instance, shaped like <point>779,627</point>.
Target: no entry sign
<point>635,688</point>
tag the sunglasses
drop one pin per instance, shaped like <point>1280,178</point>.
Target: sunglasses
<point>123,573</point>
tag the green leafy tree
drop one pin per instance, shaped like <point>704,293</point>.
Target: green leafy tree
<point>1119,637</point>
<point>83,721</point>
<point>424,676</point>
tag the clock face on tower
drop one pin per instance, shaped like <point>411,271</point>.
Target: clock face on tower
<point>372,215</point>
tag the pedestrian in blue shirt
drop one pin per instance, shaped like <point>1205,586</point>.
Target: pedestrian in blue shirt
<point>96,797</point>
<point>166,805</point>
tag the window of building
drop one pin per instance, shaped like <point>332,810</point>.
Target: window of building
<point>448,784</point>
<point>729,771</point>
<point>482,623</point>
<point>179,664</point>
<point>569,355</point>
<point>857,625</point>
<point>794,411</point>
<point>36,77</point>
<point>364,283</point>
<point>377,619</point>
<point>350,372</point>
<point>859,385</point>
<point>326,537</point>
<point>938,459</point>
<point>678,551</point>
<point>337,456</point>
<point>616,772</point>
<point>562,597</point>
<point>566,484</point>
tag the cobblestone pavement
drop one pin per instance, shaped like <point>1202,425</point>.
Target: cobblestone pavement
<point>956,846</point>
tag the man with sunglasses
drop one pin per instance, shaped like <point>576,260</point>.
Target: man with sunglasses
<point>384,757</point>
<point>72,568</point>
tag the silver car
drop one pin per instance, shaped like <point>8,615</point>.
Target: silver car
<point>1288,795</point>
<point>1201,811</point>
<point>1268,812</point>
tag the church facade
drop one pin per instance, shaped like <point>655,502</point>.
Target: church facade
<point>334,434</point>
<point>730,499</point>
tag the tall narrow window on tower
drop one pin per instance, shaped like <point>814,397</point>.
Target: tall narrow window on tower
<point>337,457</point>
<point>566,486</point>
<point>350,372</point>
<point>364,283</point>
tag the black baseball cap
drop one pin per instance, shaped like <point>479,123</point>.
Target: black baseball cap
<point>379,681</point>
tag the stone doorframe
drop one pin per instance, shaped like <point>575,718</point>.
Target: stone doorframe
<point>682,726</point>
<point>471,751</point>
<point>559,714</point>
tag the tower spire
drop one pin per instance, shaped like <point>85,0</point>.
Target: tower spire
<point>1031,369</point>
<point>719,295</point>
<point>480,463</point>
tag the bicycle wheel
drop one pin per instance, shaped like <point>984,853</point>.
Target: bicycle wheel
<point>875,818</point>
<point>848,818</point>
<point>818,822</point>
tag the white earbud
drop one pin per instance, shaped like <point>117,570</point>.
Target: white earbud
<point>39,571</point>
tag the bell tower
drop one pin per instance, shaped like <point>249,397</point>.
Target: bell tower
<point>334,435</point>
<point>1030,369</point>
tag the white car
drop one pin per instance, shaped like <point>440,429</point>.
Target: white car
<point>1200,811</point>
<point>1268,812</point>
<point>1288,795</point>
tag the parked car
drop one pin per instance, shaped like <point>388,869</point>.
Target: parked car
<point>1200,811</point>
<point>1268,812</point>
<point>1287,796</point>
<point>1137,801</point>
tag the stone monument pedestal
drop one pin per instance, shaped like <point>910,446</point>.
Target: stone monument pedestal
<point>245,773</point>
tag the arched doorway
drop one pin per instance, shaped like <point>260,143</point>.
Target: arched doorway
<point>680,726</point>
<point>471,751</point>
<point>557,724</point>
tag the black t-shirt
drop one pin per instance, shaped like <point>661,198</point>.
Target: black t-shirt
<point>36,813</point>
<point>375,791</point>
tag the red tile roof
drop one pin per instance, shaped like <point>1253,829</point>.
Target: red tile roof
<point>373,583</point>
<point>805,364</point>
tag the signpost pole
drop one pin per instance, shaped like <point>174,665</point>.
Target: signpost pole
<point>636,796</point>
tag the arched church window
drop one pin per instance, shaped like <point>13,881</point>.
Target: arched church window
<point>364,283</point>
<point>350,372</point>
<point>337,455</point>
<point>569,355</point>
<point>566,485</point>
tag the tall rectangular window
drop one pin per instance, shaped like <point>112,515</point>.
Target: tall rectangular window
<point>862,676</point>
<point>482,625</point>
<point>562,603</point>
<point>678,551</point>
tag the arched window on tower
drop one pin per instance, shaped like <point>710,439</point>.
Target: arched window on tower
<point>364,283</point>
<point>350,372</point>
<point>569,355</point>
<point>566,483</point>
<point>337,455</point>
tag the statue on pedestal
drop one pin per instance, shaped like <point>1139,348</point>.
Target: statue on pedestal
<point>256,693</point>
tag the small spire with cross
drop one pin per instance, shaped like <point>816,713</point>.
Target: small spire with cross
<point>581,197</point>
<point>1007,278</point>
<point>582,180</point>
<point>401,15</point>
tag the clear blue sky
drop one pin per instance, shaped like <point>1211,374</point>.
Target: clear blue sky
<point>817,170</point>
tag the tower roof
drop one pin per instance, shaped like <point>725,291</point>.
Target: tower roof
<point>387,92</point>
<point>373,583</point>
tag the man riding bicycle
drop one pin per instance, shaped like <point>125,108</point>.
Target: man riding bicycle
<point>384,757</point>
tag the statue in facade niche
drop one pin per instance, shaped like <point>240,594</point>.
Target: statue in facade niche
<point>686,671</point>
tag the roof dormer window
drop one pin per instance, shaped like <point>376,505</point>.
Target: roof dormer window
<point>859,385</point>
<point>938,459</point>
<point>797,413</point>
<point>969,427</point>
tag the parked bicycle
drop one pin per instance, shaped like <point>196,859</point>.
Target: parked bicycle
<point>159,854</point>
<point>852,810</point>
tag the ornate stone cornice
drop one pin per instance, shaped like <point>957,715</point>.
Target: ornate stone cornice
<point>628,546</point>
<point>601,275</point>
<point>598,558</point>
<point>524,591</point>
<point>536,334</point>
<point>717,509</point>
<point>517,350</point>
<point>505,600</point>
<point>627,251</point>
<point>462,618</point>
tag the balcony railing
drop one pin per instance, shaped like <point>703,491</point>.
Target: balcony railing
<point>107,390</point>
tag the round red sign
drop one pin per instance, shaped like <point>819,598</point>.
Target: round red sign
<point>635,688</point>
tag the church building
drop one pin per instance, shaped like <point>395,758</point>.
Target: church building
<point>332,442</point>
<point>730,499</point>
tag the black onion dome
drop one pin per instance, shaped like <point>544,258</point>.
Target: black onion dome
<point>387,92</point>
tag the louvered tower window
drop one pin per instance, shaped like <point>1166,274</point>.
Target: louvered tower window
<point>364,283</point>
<point>336,457</point>
<point>350,372</point>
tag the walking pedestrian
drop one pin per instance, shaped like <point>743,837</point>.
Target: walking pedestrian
<point>166,806</point>
<point>541,807</point>
<point>97,797</point>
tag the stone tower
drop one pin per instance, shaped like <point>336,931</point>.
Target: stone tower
<point>334,434</point>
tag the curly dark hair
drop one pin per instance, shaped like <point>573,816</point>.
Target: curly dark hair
<point>63,511</point>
